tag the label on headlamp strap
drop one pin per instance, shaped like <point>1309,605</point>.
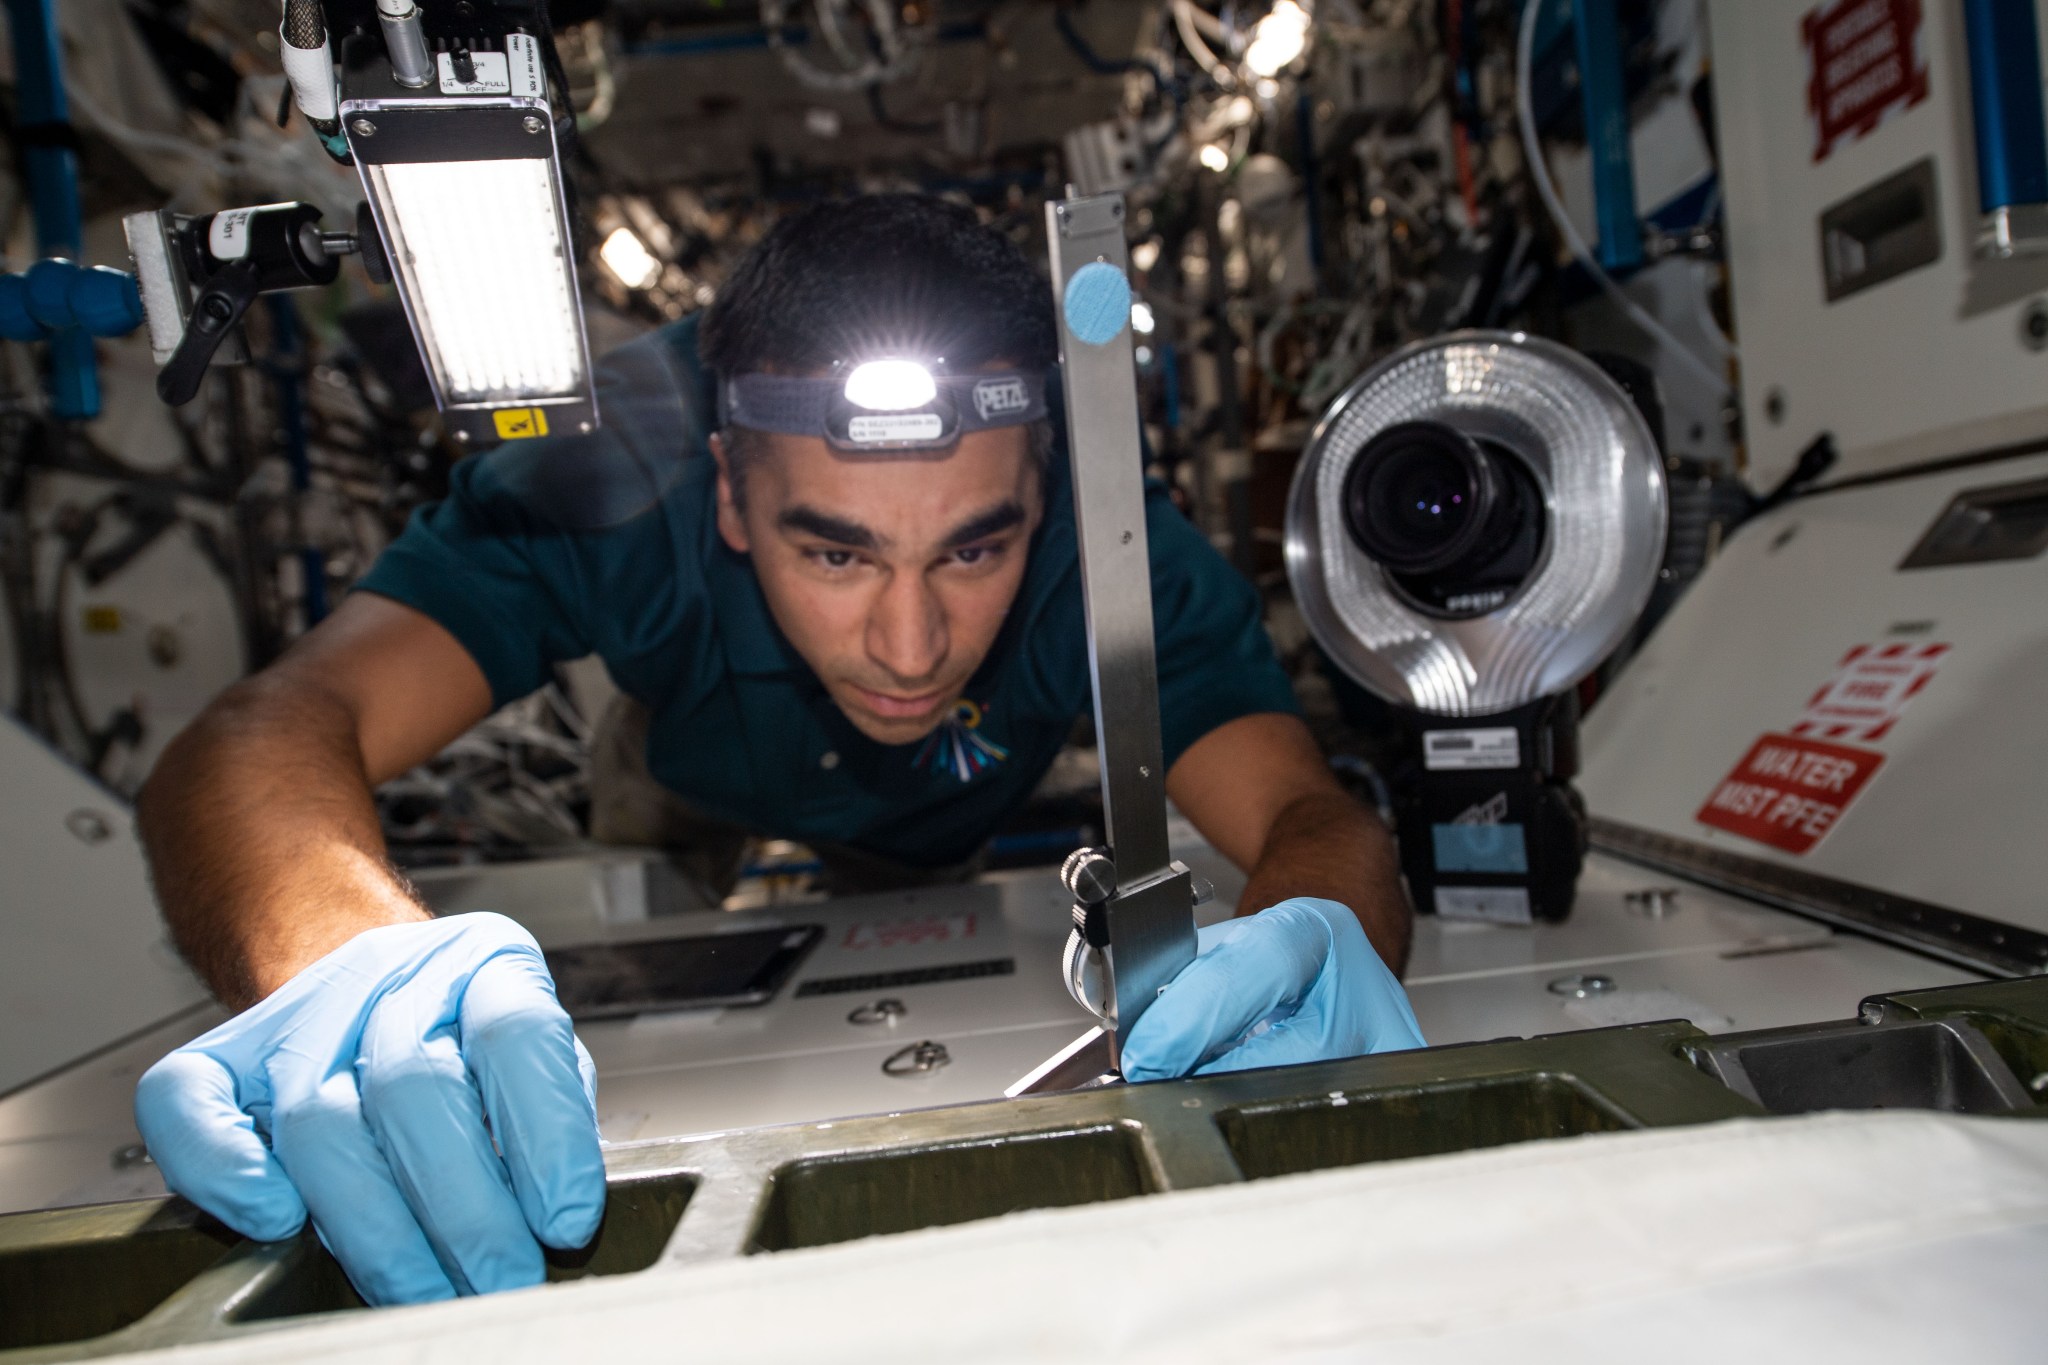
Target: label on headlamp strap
<point>884,428</point>
<point>995,396</point>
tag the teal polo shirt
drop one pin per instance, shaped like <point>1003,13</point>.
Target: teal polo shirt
<point>547,550</point>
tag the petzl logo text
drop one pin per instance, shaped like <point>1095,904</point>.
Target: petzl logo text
<point>1000,395</point>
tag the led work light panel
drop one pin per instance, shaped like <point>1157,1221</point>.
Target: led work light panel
<point>465,180</point>
<point>478,251</point>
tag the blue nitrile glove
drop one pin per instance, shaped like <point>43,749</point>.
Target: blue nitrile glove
<point>1298,982</point>
<point>368,1090</point>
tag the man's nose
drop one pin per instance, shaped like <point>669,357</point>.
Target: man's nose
<point>907,629</point>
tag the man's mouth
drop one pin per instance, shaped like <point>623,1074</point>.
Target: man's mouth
<point>890,706</point>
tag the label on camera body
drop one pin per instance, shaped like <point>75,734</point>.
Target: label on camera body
<point>1487,904</point>
<point>1451,750</point>
<point>1469,846</point>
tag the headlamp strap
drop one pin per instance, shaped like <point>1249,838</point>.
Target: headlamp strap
<point>805,406</point>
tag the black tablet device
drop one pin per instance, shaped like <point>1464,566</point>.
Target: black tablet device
<point>605,980</point>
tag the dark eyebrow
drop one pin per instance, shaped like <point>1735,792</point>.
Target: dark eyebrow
<point>1001,517</point>
<point>824,526</point>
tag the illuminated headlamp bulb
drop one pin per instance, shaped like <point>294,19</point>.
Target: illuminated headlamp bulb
<point>890,385</point>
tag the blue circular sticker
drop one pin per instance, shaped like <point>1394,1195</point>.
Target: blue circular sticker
<point>1097,302</point>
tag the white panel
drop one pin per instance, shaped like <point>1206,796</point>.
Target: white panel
<point>1954,815</point>
<point>1718,989</point>
<point>1926,364</point>
<point>1601,929</point>
<point>83,959</point>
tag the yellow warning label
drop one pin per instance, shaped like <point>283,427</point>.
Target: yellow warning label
<point>102,620</point>
<point>517,423</point>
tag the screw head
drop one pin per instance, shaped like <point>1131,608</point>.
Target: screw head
<point>878,1012</point>
<point>362,127</point>
<point>89,826</point>
<point>1652,902</point>
<point>1089,876</point>
<point>2034,326</point>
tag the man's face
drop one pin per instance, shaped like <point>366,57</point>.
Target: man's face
<point>890,576</point>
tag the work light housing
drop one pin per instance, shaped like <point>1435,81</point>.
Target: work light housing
<point>464,180</point>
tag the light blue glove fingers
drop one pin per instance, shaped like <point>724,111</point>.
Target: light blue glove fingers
<point>321,1139</point>
<point>208,1148</point>
<point>1363,998</point>
<point>587,1070</point>
<point>1356,1007</point>
<point>539,1089</point>
<point>429,1122</point>
<point>1307,1036</point>
<point>1265,964</point>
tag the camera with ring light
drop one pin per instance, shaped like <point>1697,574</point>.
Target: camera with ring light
<point>1475,525</point>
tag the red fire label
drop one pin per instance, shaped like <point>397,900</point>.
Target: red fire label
<point>1864,59</point>
<point>1789,791</point>
<point>1870,691</point>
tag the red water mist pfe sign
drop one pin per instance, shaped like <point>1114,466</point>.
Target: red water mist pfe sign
<point>1788,791</point>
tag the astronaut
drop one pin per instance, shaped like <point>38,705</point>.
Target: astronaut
<point>824,543</point>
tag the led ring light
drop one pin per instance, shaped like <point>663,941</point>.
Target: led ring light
<point>1476,523</point>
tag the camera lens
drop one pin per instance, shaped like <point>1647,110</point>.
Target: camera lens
<point>1457,524</point>
<point>1418,496</point>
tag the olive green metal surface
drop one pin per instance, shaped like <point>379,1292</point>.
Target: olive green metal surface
<point>81,1283</point>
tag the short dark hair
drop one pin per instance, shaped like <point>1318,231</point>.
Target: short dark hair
<point>885,273</point>
<point>902,273</point>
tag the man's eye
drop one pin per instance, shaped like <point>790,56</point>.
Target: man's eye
<point>834,559</point>
<point>977,554</point>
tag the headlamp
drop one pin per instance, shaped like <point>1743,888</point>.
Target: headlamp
<point>886,405</point>
<point>890,386</point>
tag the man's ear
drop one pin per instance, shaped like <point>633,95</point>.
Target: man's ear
<point>732,526</point>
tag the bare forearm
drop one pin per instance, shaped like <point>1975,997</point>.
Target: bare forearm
<point>1325,844</point>
<point>263,839</point>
